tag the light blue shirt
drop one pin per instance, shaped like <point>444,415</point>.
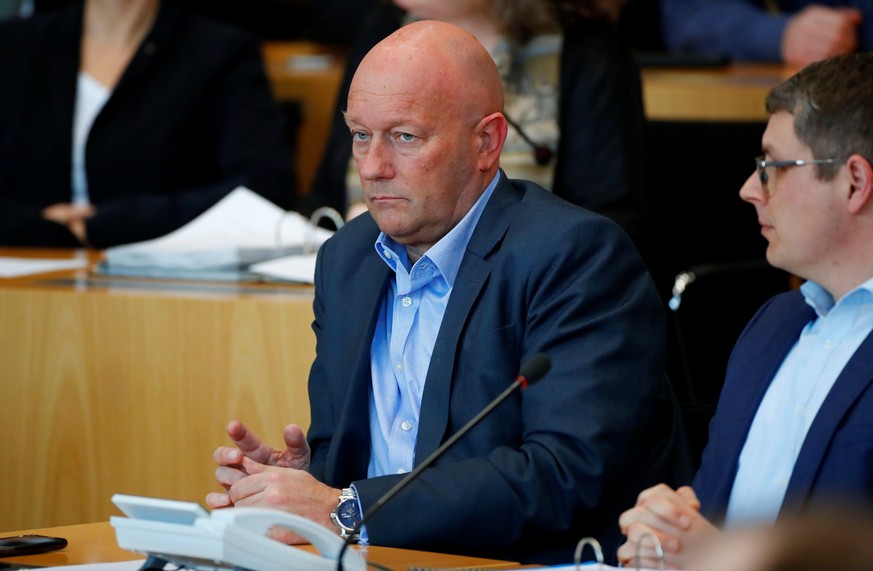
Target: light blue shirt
<point>794,398</point>
<point>408,324</point>
<point>91,96</point>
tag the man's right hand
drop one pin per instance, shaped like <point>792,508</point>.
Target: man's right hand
<point>230,459</point>
<point>670,515</point>
<point>819,32</point>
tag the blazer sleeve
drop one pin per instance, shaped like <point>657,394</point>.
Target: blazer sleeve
<point>21,221</point>
<point>739,29</point>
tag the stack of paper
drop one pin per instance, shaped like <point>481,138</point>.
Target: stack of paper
<point>222,243</point>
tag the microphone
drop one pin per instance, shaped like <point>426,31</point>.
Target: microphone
<point>531,371</point>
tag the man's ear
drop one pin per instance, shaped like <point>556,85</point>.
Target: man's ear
<point>491,134</point>
<point>861,181</point>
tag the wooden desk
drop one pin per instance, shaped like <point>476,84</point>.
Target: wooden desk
<point>311,74</point>
<point>114,385</point>
<point>732,93</point>
<point>95,543</point>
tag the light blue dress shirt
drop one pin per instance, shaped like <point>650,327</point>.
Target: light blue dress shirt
<point>409,321</point>
<point>794,398</point>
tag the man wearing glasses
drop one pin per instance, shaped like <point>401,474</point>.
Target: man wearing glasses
<point>794,425</point>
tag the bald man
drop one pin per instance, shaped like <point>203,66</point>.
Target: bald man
<point>425,308</point>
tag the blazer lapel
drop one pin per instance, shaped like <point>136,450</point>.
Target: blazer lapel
<point>744,389</point>
<point>353,428</point>
<point>147,55</point>
<point>472,277</point>
<point>854,379</point>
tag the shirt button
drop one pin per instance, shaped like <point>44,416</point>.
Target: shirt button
<point>407,301</point>
<point>406,425</point>
<point>401,471</point>
<point>387,254</point>
<point>399,367</point>
<point>798,409</point>
<point>828,344</point>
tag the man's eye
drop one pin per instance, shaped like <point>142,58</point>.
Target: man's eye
<point>358,136</point>
<point>406,137</point>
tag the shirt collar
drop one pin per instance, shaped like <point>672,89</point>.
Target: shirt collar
<point>822,301</point>
<point>448,252</point>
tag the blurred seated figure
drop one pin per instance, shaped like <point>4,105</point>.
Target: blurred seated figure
<point>122,121</point>
<point>796,32</point>
<point>837,539</point>
<point>573,100</point>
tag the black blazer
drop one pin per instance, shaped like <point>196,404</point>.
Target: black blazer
<point>601,154</point>
<point>558,461</point>
<point>190,119</point>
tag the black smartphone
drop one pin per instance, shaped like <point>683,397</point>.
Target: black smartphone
<point>29,544</point>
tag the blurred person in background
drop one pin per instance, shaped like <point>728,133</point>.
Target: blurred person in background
<point>796,32</point>
<point>121,121</point>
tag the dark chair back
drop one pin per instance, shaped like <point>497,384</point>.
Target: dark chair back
<point>710,306</point>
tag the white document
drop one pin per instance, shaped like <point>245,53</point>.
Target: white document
<point>239,230</point>
<point>294,268</point>
<point>16,267</point>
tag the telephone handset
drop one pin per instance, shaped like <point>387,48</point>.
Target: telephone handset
<point>186,534</point>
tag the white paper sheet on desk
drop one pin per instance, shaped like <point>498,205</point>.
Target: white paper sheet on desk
<point>241,229</point>
<point>16,267</point>
<point>297,269</point>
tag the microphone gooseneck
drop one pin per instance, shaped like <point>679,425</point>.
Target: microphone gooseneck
<point>532,370</point>
<point>542,153</point>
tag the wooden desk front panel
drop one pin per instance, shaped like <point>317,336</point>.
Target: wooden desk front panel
<point>109,392</point>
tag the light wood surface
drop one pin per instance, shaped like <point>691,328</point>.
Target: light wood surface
<point>309,73</point>
<point>732,93</point>
<point>95,543</point>
<point>126,386</point>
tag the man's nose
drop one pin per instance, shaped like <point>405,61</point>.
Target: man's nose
<point>375,163</point>
<point>752,191</point>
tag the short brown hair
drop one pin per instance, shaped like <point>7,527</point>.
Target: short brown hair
<point>832,104</point>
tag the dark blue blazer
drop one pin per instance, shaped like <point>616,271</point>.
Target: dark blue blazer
<point>556,462</point>
<point>836,460</point>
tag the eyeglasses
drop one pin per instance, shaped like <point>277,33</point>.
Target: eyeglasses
<point>762,165</point>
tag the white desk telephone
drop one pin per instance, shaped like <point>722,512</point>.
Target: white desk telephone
<point>184,533</point>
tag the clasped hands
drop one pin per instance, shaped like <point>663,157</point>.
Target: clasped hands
<point>73,216</point>
<point>673,517</point>
<point>257,475</point>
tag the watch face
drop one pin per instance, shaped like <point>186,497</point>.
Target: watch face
<point>348,514</point>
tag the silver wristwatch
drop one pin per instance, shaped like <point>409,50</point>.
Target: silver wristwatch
<point>347,514</point>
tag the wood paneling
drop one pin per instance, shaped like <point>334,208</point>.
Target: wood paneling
<point>127,389</point>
